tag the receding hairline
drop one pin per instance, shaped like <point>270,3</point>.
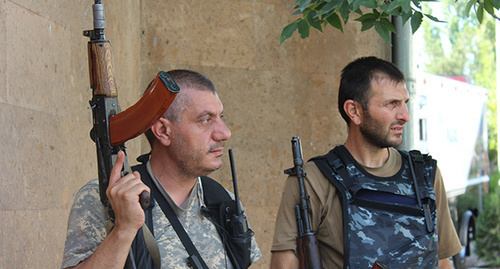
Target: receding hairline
<point>183,101</point>
<point>379,76</point>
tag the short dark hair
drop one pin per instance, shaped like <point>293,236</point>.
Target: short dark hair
<point>185,79</point>
<point>356,78</point>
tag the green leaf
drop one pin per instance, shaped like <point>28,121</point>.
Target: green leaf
<point>418,3</point>
<point>393,5</point>
<point>311,19</point>
<point>324,16</point>
<point>359,11</point>
<point>405,4</point>
<point>345,11</point>
<point>480,13</point>
<point>393,9</point>
<point>470,4</point>
<point>288,31</point>
<point>396,12</point>
<point>433,18</point>
<point>303,29</point>
<point>355,4</point>
<point>388,24</point>
<point>334,20</point>
<point>488,6</point>
<point>367,24</point>
<point>416,21</point>
<point>383,31</point>
<point>328,7</point>
<point>369,3</point>
<point>496,3</point>
<point>368,16</point>
<point>406,16</point>
<point>303,4</point>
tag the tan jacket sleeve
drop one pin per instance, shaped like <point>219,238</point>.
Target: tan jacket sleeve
<point>449,244</point>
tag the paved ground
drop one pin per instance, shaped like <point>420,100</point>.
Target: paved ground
<point>473,260</point>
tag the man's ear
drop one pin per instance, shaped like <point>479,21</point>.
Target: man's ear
<point>161,130</point>
<point>354,111</point>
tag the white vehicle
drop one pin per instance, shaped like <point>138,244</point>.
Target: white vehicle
<point>449,118</point>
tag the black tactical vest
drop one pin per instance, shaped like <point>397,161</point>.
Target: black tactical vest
<point>220,207</point>
<point>376,228</point>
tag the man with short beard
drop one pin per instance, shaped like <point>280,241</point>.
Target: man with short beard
<point>186,144</point>
<point>363,204</point>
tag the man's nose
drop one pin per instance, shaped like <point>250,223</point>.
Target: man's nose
<point>221,132</point>
<point>403,114</point>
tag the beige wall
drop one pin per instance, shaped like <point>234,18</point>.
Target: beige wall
<point>270,93</point>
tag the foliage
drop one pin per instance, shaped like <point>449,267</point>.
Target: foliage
<point>469,200</point>
<point>468,49</point>
<point>372,14</point>
<point>463,46</point>
<point>494,180</point>
<point>488,231</point>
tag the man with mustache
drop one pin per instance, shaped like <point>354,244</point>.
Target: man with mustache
<point>364,206</point>
<point>186,144</point>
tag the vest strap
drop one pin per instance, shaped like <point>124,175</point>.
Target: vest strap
<point>334,164</point>
<point>218,205</point>
<point>148,238</point>
<point>194,260</point>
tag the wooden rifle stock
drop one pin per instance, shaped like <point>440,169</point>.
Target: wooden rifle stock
<point>307,241</point>
<point>102,78</point>
<point>308,249</point>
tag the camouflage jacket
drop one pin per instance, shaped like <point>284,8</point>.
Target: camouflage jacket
<point>86,230</point>
<point>382,218</point>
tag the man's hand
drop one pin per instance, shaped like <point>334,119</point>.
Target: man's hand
<point>445,264</point>
<point>123,194</point>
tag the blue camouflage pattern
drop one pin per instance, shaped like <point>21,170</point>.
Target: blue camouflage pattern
<point>375,232</point>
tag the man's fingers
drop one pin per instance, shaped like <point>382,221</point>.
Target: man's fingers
<point>128,184</point>
<point>117,168</point>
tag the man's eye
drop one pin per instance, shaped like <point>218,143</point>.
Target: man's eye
<point>205,120</point>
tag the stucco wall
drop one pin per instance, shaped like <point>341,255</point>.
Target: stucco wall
<point>270,93</point>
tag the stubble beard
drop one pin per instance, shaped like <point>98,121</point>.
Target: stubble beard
<point>189,162</point>
<point>373,133</point>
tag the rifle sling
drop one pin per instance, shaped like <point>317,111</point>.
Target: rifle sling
<point>194,259</point>
<point>213,194</point>
<point>148,238</point>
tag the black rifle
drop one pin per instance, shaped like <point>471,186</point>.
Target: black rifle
<point>307,242</point>
<point>111,127</point>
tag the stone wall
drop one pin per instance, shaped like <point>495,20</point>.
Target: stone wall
<point>270,93</point>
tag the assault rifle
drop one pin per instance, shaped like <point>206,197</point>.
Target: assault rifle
<point>307,242</point>
<point>111,127</point>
